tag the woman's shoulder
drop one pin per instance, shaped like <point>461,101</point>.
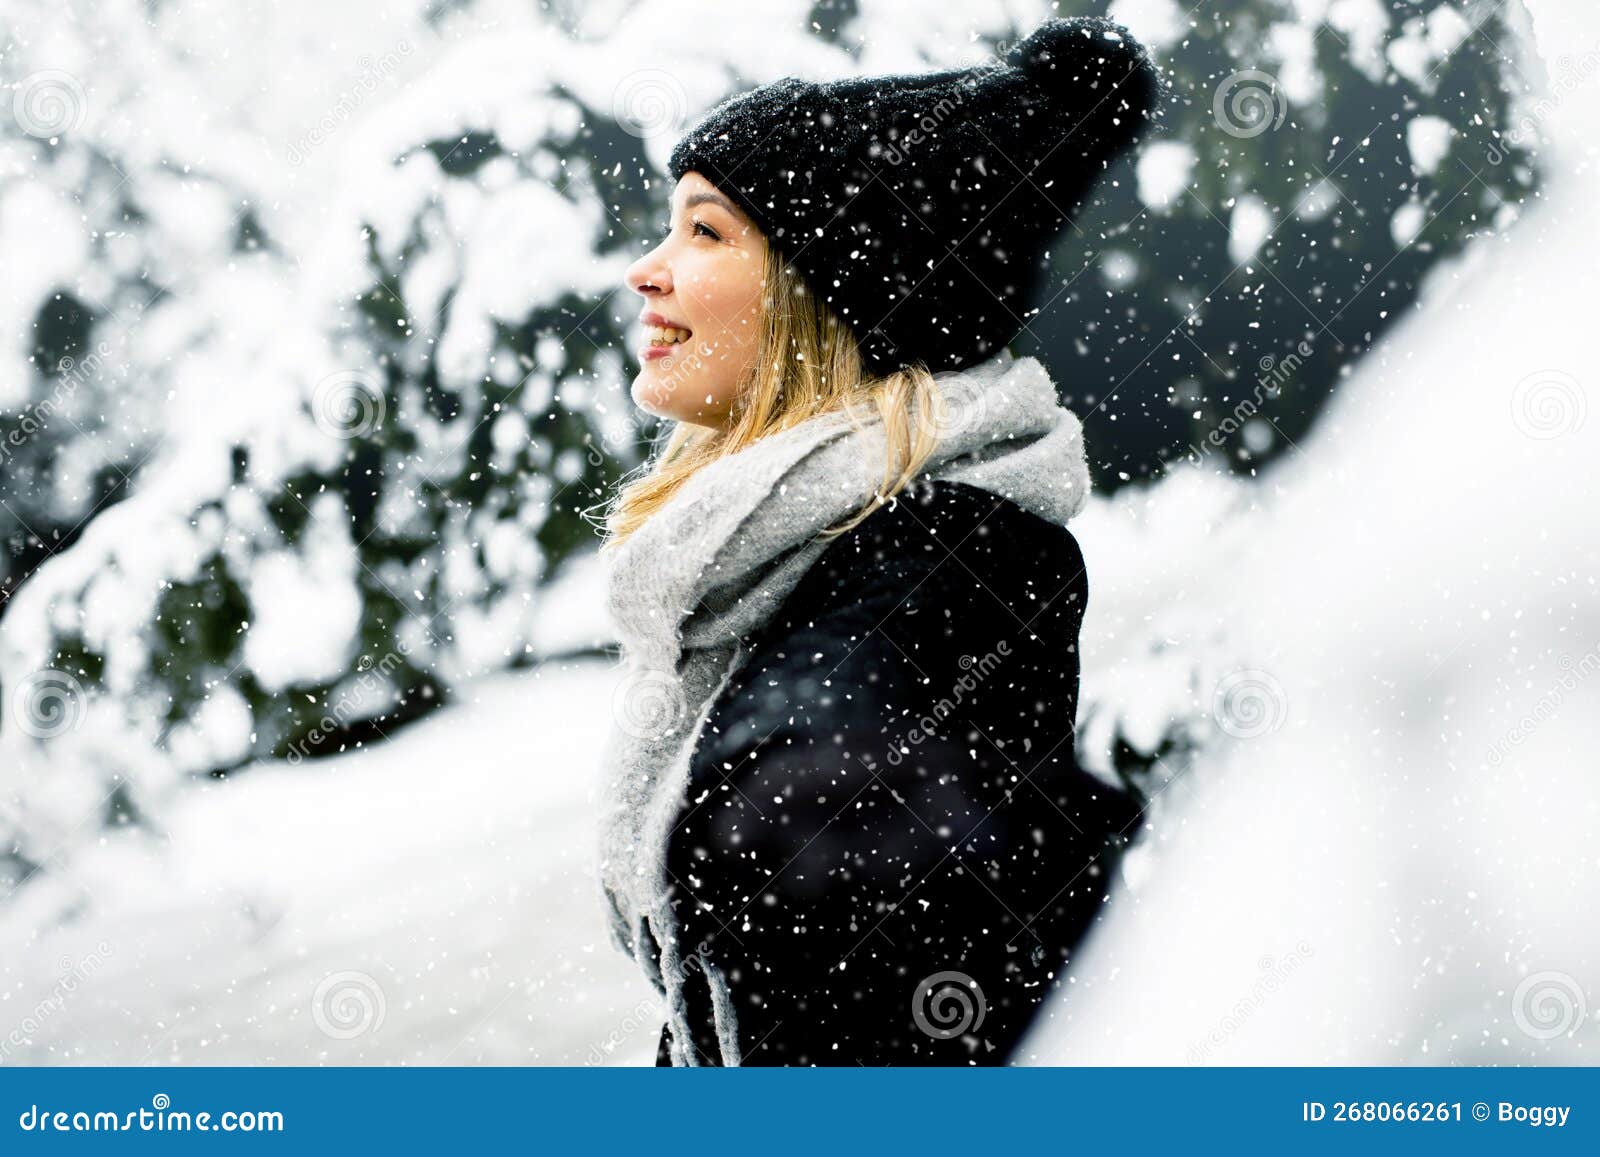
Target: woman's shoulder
<point>946,508</point>
<point>942,538</point>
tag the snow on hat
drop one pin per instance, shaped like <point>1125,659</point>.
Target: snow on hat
<point>918,206</point>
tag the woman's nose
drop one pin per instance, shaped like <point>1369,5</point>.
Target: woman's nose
<point>649,275</point>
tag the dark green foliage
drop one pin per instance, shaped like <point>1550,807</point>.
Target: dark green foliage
<point>1197,342</point>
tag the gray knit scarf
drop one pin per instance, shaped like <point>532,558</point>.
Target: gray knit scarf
<point>716,562</point>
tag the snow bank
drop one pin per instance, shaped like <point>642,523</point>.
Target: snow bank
<point>1397,865</point>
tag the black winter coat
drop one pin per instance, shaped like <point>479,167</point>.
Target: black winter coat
<point>888,845</point>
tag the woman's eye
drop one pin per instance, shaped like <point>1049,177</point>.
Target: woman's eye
<point>698,227</point>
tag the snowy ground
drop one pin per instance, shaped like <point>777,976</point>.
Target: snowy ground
<point>431,901</point>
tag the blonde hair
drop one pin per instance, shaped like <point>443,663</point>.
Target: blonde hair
<point>807,362</point>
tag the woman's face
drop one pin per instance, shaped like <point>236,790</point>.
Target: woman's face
<point>703,282</point>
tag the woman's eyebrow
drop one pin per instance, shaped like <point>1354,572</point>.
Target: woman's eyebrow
<point>694,199</point>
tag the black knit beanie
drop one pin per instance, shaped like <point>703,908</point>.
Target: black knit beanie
<point>919,206</point>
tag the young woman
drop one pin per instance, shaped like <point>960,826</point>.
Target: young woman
<point>844,823</point>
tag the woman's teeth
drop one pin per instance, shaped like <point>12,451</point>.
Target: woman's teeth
<point>665,334</point>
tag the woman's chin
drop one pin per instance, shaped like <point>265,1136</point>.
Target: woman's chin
<point>651,395</point>
<point>657,390</point>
